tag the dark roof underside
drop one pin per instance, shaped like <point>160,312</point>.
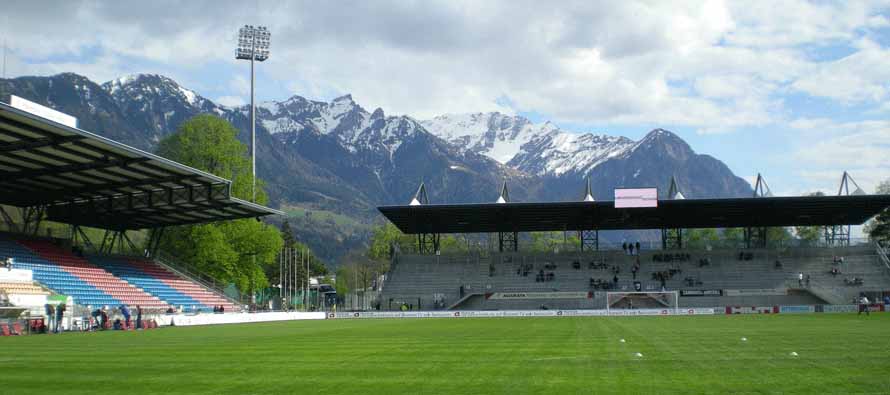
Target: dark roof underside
<point>85,179</point>
<point>670,214</point>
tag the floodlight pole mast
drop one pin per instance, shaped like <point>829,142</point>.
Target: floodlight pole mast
<point>252,126</point>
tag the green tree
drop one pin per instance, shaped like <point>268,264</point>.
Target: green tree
<point>809,235</point>
<point>383,237</point>
<point>238,251</point>
<point>733,237</point>
<point>878,229</point>
<point>550,241</point>
<point>702,238</point>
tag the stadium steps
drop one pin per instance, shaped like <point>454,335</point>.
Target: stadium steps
<point>425,276</point>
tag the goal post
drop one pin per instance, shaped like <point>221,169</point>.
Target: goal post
<point>640,300</point>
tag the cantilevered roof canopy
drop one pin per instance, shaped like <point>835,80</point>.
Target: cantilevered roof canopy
<point>670,214</point>
<point>85,179</point>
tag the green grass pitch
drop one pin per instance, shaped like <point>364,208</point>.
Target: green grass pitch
<point>837,353</point>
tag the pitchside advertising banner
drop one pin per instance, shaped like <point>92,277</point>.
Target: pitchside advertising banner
<point>540,295</point>
<point>701,292</point>
<point>797,309</point>
<point>517,313</point>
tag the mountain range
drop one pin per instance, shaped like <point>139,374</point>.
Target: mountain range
<point>330,164</point>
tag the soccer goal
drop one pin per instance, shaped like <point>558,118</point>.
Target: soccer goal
<point>642,300</point>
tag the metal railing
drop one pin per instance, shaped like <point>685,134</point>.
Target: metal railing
<point>171,263</point>
<point>882,253</point>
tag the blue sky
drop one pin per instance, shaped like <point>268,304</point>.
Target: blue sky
<point>797,90</point>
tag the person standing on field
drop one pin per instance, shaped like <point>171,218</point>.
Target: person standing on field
<point>863,305</point>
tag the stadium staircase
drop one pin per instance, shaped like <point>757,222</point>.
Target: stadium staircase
<point>752,280</point>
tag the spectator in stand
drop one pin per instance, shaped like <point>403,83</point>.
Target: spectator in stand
<point>624,247</point>
<point>886,299</point>
<point>800,279</point>
<point>631,247</point>
<point>138,317</point>
<point>808,280</point>
<point>222,309</point>
<point>638,248</point>
<point>615,279</point>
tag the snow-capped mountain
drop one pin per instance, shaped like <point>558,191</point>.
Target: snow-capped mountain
<point>539,149</point>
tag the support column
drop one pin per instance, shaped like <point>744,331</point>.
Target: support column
<point>154,241</point>
<point>590,240</point>
<point>508,241</point>
<point>837,236</point>
<point>672,239</point>
<point>755,237</point>
<point>427,243</point>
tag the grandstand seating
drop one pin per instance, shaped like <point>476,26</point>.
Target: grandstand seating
<point>22,288</point>
<point>423,279</point>
<point>105,280</point>
<point>54,277</point>
<point>122,268</point>
<point>66,273</point>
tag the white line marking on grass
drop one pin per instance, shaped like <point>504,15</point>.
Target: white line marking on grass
<point>558,358</point>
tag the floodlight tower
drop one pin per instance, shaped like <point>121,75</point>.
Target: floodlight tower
<point>253,44</point>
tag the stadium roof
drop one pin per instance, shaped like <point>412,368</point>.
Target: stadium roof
<point>85,179</point>
<point>670,214</point>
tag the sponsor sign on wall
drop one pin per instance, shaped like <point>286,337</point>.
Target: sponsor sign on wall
<point>796,309</point>
<point>539,295</point>
<point>701,292</point>
<point>15,275</point>
<point>839,308</point>
<point>754,292</point>
<point>751,310</point>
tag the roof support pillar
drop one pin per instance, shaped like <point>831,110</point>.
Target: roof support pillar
<point>672,239</point>
<point>428,243</point>
<point>590,240</point>
<point>78,233</point>
<point>508,241</point>
<point>8,219</point>
<point>154,241</point>
<point>755,237</point>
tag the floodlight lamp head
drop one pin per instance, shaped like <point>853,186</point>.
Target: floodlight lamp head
<point>253,43</point>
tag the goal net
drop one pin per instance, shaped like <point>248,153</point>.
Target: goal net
<point>642,300</point>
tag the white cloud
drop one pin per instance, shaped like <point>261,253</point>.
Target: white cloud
<point>862,76</point>
<point>861,148</point>
<point>713,66</point>
<point>231,101</point>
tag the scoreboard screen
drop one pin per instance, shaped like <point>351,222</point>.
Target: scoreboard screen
<point>636,197</point>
